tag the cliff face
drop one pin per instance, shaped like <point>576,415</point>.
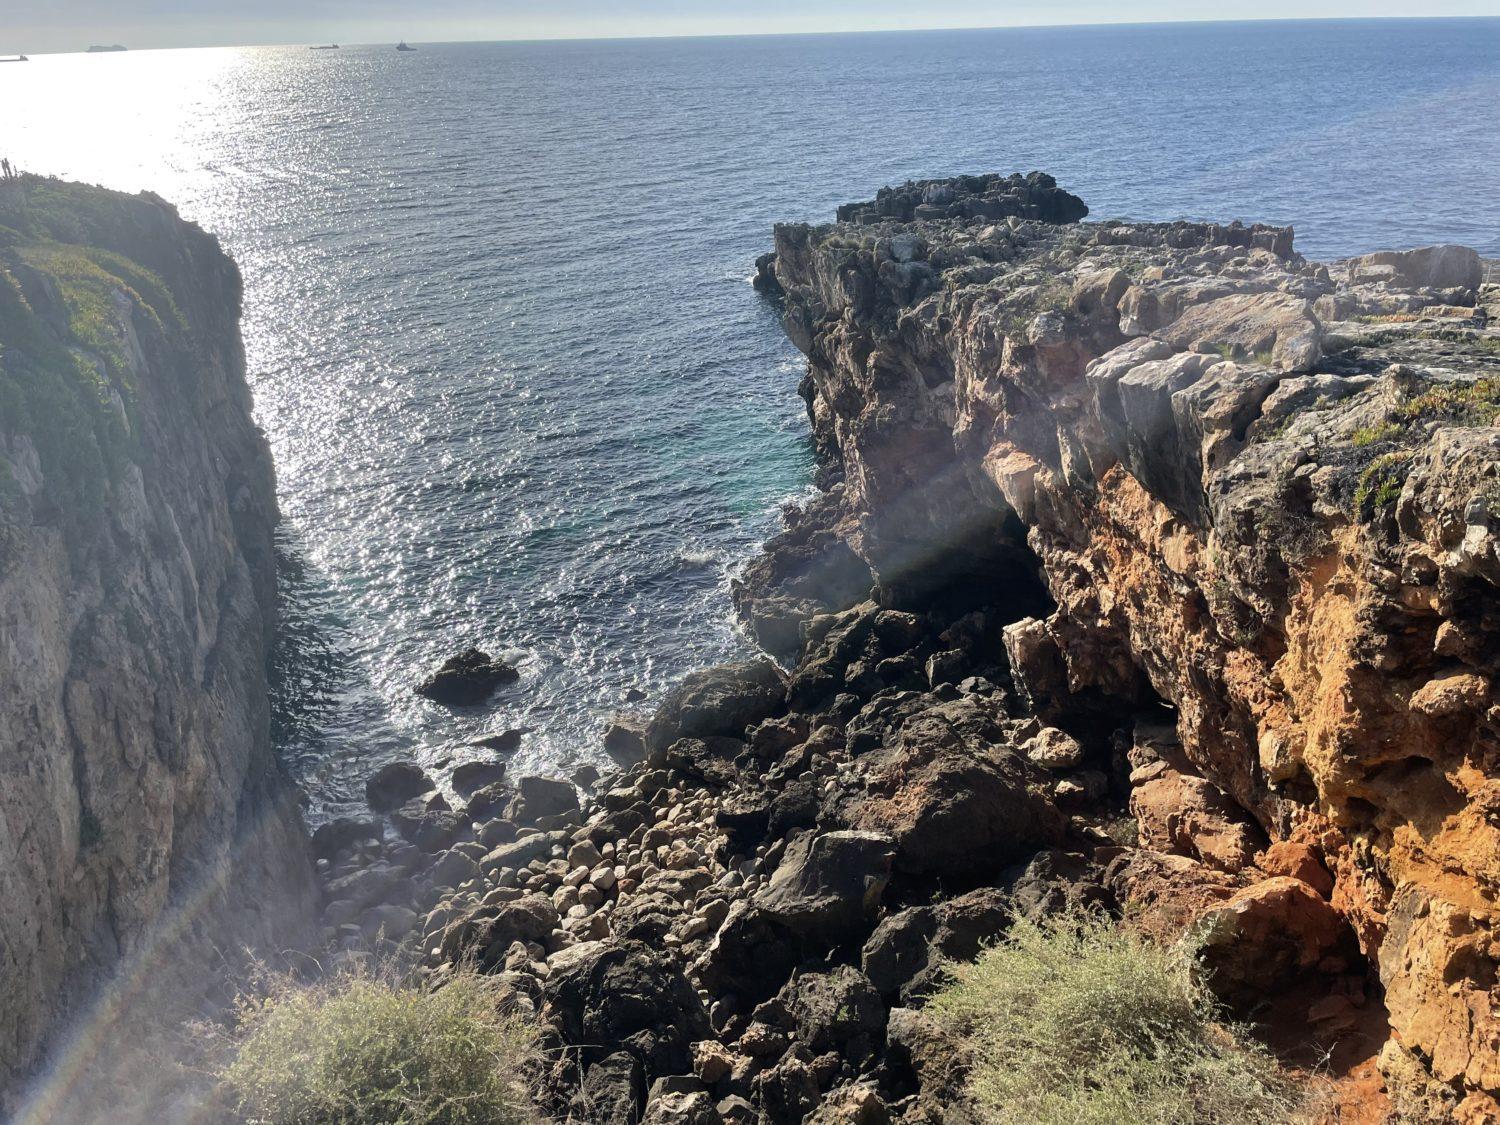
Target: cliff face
<point>143,820</point>
<point>1217,485</point>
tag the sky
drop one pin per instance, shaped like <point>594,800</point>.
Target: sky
<point>69,25</point>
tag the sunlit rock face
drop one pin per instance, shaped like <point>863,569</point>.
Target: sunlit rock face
<point>143,821</point>
<point>1261,490</point>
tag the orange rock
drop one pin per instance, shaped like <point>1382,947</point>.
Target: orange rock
<point>1267,934</point>
<point>1297,861</point>
<point>1454,694</point>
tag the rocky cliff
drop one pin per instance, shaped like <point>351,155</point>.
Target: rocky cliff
<point>1260,499</point>
<point>1152,571</point>
<point>145,829</point>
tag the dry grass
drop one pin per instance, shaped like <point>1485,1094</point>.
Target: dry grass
<point>1076,1021</point>
<point>364,1048</point>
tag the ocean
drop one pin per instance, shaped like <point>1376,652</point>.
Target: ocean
<point>499,328</point>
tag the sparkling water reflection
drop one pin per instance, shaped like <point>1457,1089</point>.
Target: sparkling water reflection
<point>496,314</point>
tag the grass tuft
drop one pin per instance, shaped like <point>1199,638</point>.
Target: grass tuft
<point>1076,1021</point>
<point>363,1048</point>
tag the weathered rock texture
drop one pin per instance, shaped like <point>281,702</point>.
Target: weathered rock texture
<point>144,825</point>
<point>1152,573</point>
<point>1262,491</point>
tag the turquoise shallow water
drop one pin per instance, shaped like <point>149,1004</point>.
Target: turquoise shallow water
<point>497,317</point>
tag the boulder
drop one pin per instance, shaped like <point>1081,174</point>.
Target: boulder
<point>828,886</point>
<point>1054,749</point>
<point>749,956</point>
<point>430,828</point>
<point>540,797</point>
<point>337,835</point>
<point>485,933</point>
<point>953,796</point>
<point>839,1010</point>
<point>470,776</point>
<point>1278,327</point>
<point>613,1091</point>
<point>1267,935</point>
<point>723,700</point>
<point>1191,816</point>
<point>631,995</point>
<point>1429,267</point>
<point>898,948</point>
<point>466,679</point>
<point>389,921</point>
<point>395,784</point>
<point>690,1108</point>
<point>625,738</point>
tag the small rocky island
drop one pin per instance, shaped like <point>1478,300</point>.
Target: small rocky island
<point>1152,572</point>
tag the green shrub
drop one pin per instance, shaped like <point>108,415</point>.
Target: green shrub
<point>360,1048</point>
<point>1076,1021</point>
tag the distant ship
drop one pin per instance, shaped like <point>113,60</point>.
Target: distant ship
<point>328,47</point>
<point>18,58</point>
<point>402,46</point>
<point>105,50</point>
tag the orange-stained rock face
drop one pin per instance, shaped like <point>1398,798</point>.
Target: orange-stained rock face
<point>1261,491</point>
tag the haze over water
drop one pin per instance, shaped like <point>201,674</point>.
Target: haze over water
<point>498,324</point>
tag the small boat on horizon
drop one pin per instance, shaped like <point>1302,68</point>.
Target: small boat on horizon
<point>325,47</point>
<point>18,58</point>
<point>404,46</point>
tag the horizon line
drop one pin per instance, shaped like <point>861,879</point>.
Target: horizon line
<point>828,33</point>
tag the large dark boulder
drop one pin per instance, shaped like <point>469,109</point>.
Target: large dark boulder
<point>613,1091</point>
<point>541,797</point>
<point>485,933</point>
<point>899,949</point>
<point>839,1010</point>
<point>955,797</point>
<point>722,700</point>
<point>471,776</point>
<point>629,995</point>
<point>828,886</point>
<point>395,784</point>
<point>466,679</point>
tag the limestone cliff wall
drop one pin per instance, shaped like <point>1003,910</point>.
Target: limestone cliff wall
<point>1261,495</point>
<point>144,825</point>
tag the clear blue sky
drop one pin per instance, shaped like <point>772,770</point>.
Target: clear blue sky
<point>65,25</point>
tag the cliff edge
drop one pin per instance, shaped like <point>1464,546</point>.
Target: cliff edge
<point>144,824</point>
<point>1258,498</point>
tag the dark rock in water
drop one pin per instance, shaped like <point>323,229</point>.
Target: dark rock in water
<point>988,196</point>
<point>506,742</point>
<point>486,800</point>
<point>625,738</point>
<point>829,886</point>
<point>476,775</point>
<point>395,784</point>
<point>467,679</point>
<point>723,700</point>
<point>541,797</point>
<point>806,570</point>
<point>628,994</point>
<point>765,276</point>
<point>336,835</point>
<point>613,1091</point>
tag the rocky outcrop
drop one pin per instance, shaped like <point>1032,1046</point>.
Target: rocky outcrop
<point>1151,573</point>
<point>1259,492</point>
<point>145,829</point>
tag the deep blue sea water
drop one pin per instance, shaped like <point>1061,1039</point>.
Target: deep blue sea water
<point>497,317</point>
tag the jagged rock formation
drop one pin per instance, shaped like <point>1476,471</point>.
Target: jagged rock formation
<point>1153,571</point>
<point>1262,490</point>
<point>145,828</point>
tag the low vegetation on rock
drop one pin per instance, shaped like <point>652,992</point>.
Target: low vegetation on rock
<point>364,1047</point>
<point>1074,1020</point>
